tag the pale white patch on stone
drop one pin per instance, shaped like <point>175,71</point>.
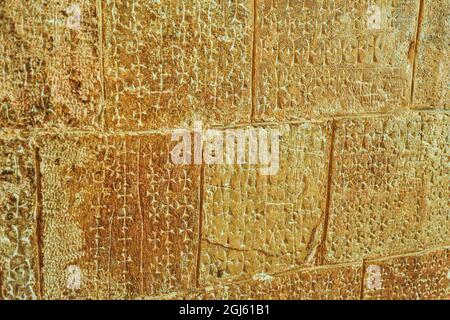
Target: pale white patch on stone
<point>262,277</point>
<point>74,19</point>
<point>373,17</point>
<point>374,277</point>
<point>73,277</point>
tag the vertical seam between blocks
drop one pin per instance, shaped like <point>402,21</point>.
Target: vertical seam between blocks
<point>363,272</point>
<point>38,225</point>
<point>1,283</point>
<point>253,75</point>
<point>101,45</point>
<point>200,224</point>
<point>141,215</point>
<point>416,45</point>
<point>322,247</point>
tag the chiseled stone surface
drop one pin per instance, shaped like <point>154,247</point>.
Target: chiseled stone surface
<point>18,263</point>
<point>420,276</point>
<point>328,283</point>
<point>332,57</point>
<point>432,80</point>
<point>256,223</point>
<point>168,63</point>
<point>119,220</point>
<point>389,190</point>
<point>91,206</point>
<point>49,65</point>
<point>339,282</point>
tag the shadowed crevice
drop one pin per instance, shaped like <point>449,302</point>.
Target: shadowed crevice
<point>253,79</point>
<point>322,245</point>
<point>415,47</point>
<point>38,225</point>
<point>101,46</point>
<point>363,272</point>
<point>200,225</point>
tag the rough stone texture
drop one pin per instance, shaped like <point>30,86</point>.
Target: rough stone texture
<point>341,282</point>
<point>117,210</point>
<point>49,66</point>
<point>91,207</point>
<point>389,188</point>
<point>323,58</point>
<point>421,276</point>
<point>168,63</point>
<point>256,223</point>
<point>432,80</point>
<point>18,263</point>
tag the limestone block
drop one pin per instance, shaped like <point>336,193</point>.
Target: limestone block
<point>418,276</point>
<point>49,65</point>
<point>18,250</point>
<point>389,191</point>
<point>332,57</point>
<point>432,79</point>
<point>255,223</point>
<point>120,220</point>
<point>93,206</point>
<point>168,63</point>
<point>341,282</point>
<point>330,283</point>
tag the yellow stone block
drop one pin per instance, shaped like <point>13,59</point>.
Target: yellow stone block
<point>423,276</point>
<point>432,78</point>
<point>50,72</point>
<point>256,223</point>
<point>119,220</point>
<point>330,57</point>
<point>168,63</point>
<point>19,264</point>
<point>389,190</point>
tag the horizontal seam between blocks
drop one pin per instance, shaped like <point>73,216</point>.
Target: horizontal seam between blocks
<point>12,133</point>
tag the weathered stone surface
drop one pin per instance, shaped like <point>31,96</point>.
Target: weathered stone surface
<point>18,254</point>
<point>49,65</point>
<point>255,223</point>
<point>419,276</point>
<point>342,282</point>
<point>389,191</point>
<point>432,63</point>
<point>119,219</point>
<point>92,207</point>
<point>168,63</point>
<point>330,57</point>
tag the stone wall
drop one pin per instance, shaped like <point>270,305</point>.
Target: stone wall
<point>91,205</point>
